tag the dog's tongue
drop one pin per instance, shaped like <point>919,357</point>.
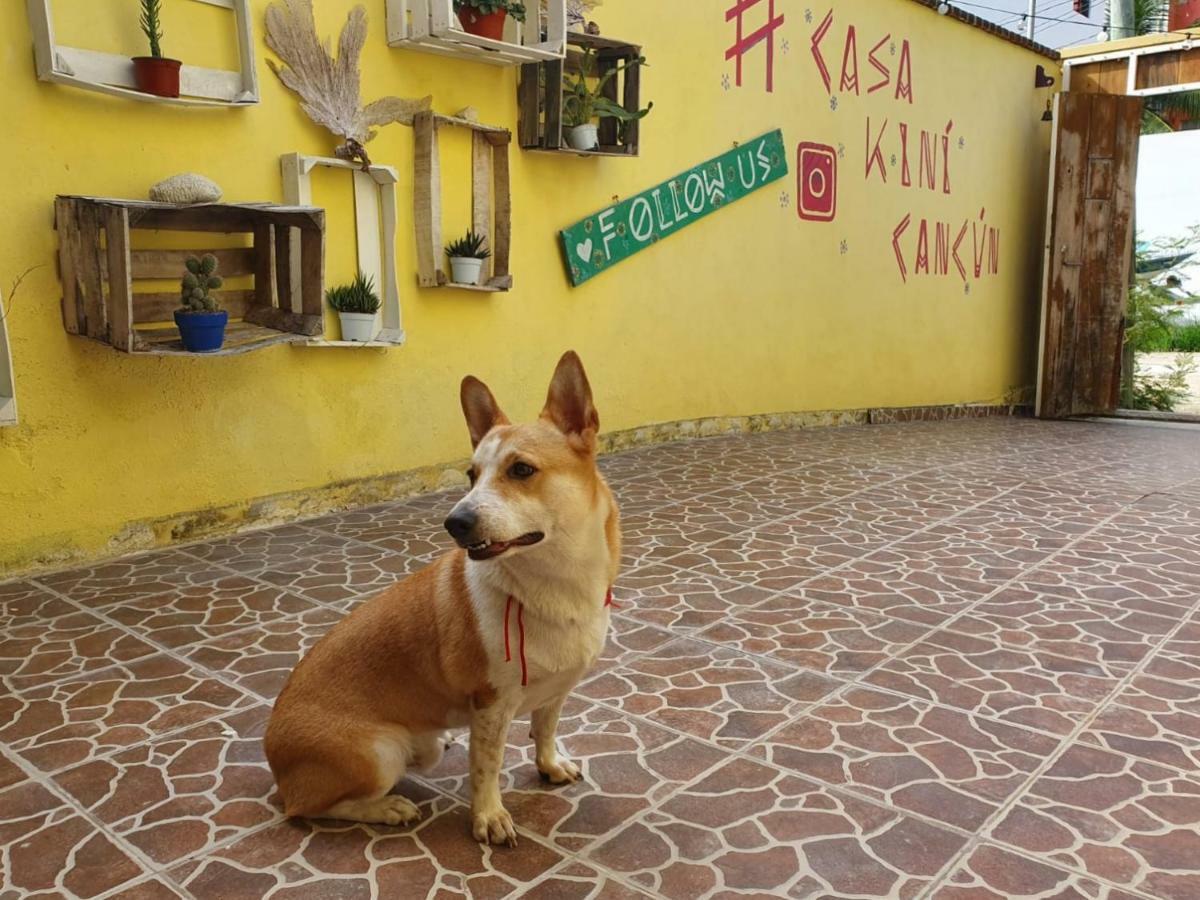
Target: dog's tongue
<point>495,548</point>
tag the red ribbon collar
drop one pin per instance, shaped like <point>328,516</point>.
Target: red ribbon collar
<point>608,602</point>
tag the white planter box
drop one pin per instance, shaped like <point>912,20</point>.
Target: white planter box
<point>433,27</point>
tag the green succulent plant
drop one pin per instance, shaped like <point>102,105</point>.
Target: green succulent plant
<point>358,296</point>
<point>198,282</point>
<point>151,27</point>
<point>487,7</point>
<point>469,246</point>
<point>581,102</point>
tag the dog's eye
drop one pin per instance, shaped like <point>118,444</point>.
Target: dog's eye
<point>521,470</point>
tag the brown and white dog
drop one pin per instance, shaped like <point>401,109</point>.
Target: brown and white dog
<point>506,625</point>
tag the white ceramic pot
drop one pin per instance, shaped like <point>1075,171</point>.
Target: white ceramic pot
<point>583,137</point>
<point>465,269</point>
<point>358,327</point>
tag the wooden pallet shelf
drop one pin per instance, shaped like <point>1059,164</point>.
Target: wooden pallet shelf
<point>491,201</point>
<point>99,268</point>
<point>431,26</point>
<point>112,74</point>
<point>540,97</point>
<point>8,392</point>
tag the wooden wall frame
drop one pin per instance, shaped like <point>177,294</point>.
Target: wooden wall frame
<point>98,266</point>
<point>540,95</point>
<point>1149,66</point>
<point>491,200</point>
<point>112,74</point>
<point>8,391</point>
<point>431,26</point>
<point>375,234</point>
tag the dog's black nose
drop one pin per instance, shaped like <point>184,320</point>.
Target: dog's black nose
<point>460,525</point>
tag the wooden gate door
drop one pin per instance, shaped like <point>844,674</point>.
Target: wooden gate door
<point>1089,253</point>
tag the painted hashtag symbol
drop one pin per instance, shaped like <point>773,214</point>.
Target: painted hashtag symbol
<point>746,42</point>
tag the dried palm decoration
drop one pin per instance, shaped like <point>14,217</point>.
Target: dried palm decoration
<point>328,87</point>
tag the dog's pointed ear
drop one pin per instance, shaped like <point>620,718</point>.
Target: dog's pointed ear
<point>569,403</point>
<point>480,408</point>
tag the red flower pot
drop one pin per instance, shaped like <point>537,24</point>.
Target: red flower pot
<point>488,26</point>
<point>157,75</point>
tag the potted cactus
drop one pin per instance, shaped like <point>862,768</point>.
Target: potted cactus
<point>485,18</point>
<point>466,258</point>
<point>201,323</point>
<point>356,305</point>
<point>582,103</point>
<point>155,74</point>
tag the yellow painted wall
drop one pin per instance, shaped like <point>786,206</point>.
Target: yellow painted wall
<point>752,310</point>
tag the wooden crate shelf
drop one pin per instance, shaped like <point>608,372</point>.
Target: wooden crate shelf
<point>99,268</point>
<point>431,26</point>
<point>491,201</point>
<point>540,95</point>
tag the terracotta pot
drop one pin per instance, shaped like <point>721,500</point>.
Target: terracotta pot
<point>157,75</point>
<point>488,26</point>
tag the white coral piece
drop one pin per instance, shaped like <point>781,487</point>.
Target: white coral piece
<point>186,188</point>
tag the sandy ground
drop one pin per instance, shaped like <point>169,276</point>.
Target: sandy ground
<point>1160,363</point>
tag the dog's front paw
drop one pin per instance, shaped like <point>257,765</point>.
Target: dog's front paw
<point>494,827</point>
<point>559,771</point>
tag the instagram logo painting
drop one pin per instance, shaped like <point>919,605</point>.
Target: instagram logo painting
<point>816,170</point>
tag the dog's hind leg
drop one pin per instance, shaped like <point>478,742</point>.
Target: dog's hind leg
<point>391,753</point>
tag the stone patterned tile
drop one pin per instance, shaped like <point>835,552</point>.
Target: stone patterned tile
<point>774,559</point>
<point>343,576</point>
<point>253,551</point>
<point>972,569</point>
<point>746,829</point>
<point>408,529</point>
<point>943,764</point>
<point>10,773</point>
<point>63,646</point>
<point>627,639</point>
<point>178,795</point>
<point>48,850</point>
<point>436,857</point>
<point>649,538</point>
<point>650,494</point>
<point>1070,577</point>
<point>712,693</point>
<point>154,888</point>
<point>880,584</point>
<point>1023,687</point>
<point>1154,719</point>
<point>1109,816</point>
<point>1127,551</point>
<point>129,579</point>
<point>76,720</point>
<point>1088,630</point>
<point>680,600</point>
<point>812,635</point>
<point>579,881</point>
<point>993,873</point>
<point>191,615</point>
<point>261,658</point>
<point>628,764</point>
<point>25,603</point>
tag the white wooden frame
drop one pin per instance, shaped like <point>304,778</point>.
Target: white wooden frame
<point>433,27</point>
<point>111,73</point>
<point>8,392</point>
<point>1133,55</point>
<point>375,234</point>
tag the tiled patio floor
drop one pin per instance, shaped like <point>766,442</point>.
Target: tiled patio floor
<point>956,660</point>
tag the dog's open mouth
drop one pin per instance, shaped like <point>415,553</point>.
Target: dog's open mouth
<point>484,550</point>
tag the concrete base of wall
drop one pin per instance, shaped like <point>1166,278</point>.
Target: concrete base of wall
<point>279,509</point>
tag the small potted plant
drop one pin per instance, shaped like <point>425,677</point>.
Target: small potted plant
<point>485,18</point>
<point>356,304</point>
<point>466,258</point>
<point>155,74</point>
<point>201,324</point>
<point>583,103</point>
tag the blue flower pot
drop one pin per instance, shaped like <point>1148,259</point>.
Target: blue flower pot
<point>202,332</point>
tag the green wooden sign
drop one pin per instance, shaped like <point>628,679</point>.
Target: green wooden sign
<point>614,234</point>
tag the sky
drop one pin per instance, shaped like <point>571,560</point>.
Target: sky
<point>1072,29</point>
